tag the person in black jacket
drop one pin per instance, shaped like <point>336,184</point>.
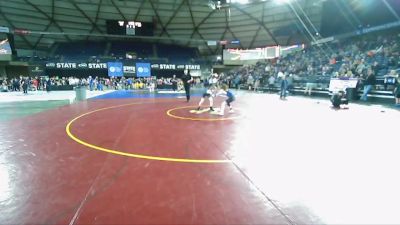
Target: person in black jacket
<point>187,80</point>
<point>174,82</point>
<point>25,84</point>
<point>338,99</point>
<point>48,85</point>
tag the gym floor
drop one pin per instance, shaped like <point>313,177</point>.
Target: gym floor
<point>137,158</point>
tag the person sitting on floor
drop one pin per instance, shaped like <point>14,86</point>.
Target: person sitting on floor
<point>338,99</point>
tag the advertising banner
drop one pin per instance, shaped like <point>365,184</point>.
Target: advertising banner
<point>189,67</point>
<point>336,85</point>
<point>175,67</point>
<point>143,70</point>
<point>74,65</point>
<point>36,70</point>
<point>5,50</point>
<point>129,70</point>
<point>115,69</point>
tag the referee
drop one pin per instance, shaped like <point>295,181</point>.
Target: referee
<point>187,80</point>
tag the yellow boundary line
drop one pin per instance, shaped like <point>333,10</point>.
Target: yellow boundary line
<point>169,113</point>
<point>116,152</point>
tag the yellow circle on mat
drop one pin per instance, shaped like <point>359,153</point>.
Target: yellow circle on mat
<point>169,113</point>
<point>117,152</point>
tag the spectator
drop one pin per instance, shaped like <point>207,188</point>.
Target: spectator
<point>91,83</point>
<point>284,86</point>
<point>271,83</point>
<point>311,83</point>
<point>250,81</point>
<point>338,100</point>
<point>256,84</point>
<point>174,83</point>
<point>48,85</point>
<point>290,80</point>
<point>4,87</point>
<point>35,84</point>
<point>15,85</point>
<point>369,81</point>
<point>25,84</point>
<point>99,84</point>
<point>237,81</point>
<point>391,78</point>
<point>397,92</point>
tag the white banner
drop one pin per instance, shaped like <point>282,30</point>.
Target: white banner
<point>129,69</point>
<point>336,85</point>
<point>74,65</point>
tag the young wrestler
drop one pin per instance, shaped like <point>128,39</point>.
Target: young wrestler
<point>211,91</point>
<point>209,94</point>
<point>230,98</point>
<point>213,80</point>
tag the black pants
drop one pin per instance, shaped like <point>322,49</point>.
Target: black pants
<point>229,101</point>
<point>187,90</point>
<point>337,103</point>
<point>25,88</point>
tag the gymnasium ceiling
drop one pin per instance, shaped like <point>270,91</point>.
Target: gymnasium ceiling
<point>186,22</point>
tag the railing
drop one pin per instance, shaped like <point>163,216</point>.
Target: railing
<point>375,95</point>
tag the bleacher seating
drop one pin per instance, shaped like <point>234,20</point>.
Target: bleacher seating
<point>345,58</point>
<point>80,50</point>
<point>176,54</point>
<point>142,49</point>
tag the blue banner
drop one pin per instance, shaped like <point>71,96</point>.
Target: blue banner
<point>115,69</point>
<point>143,70</point>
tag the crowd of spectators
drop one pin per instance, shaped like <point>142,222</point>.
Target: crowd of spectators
<point>23,83</point>
<point>92,83</point>
<point>369,58</point>
<point>315,65</point>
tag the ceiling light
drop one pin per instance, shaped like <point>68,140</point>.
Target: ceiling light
<point>282,1</point>
<point>244,1</point>
<point>240,1</point>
